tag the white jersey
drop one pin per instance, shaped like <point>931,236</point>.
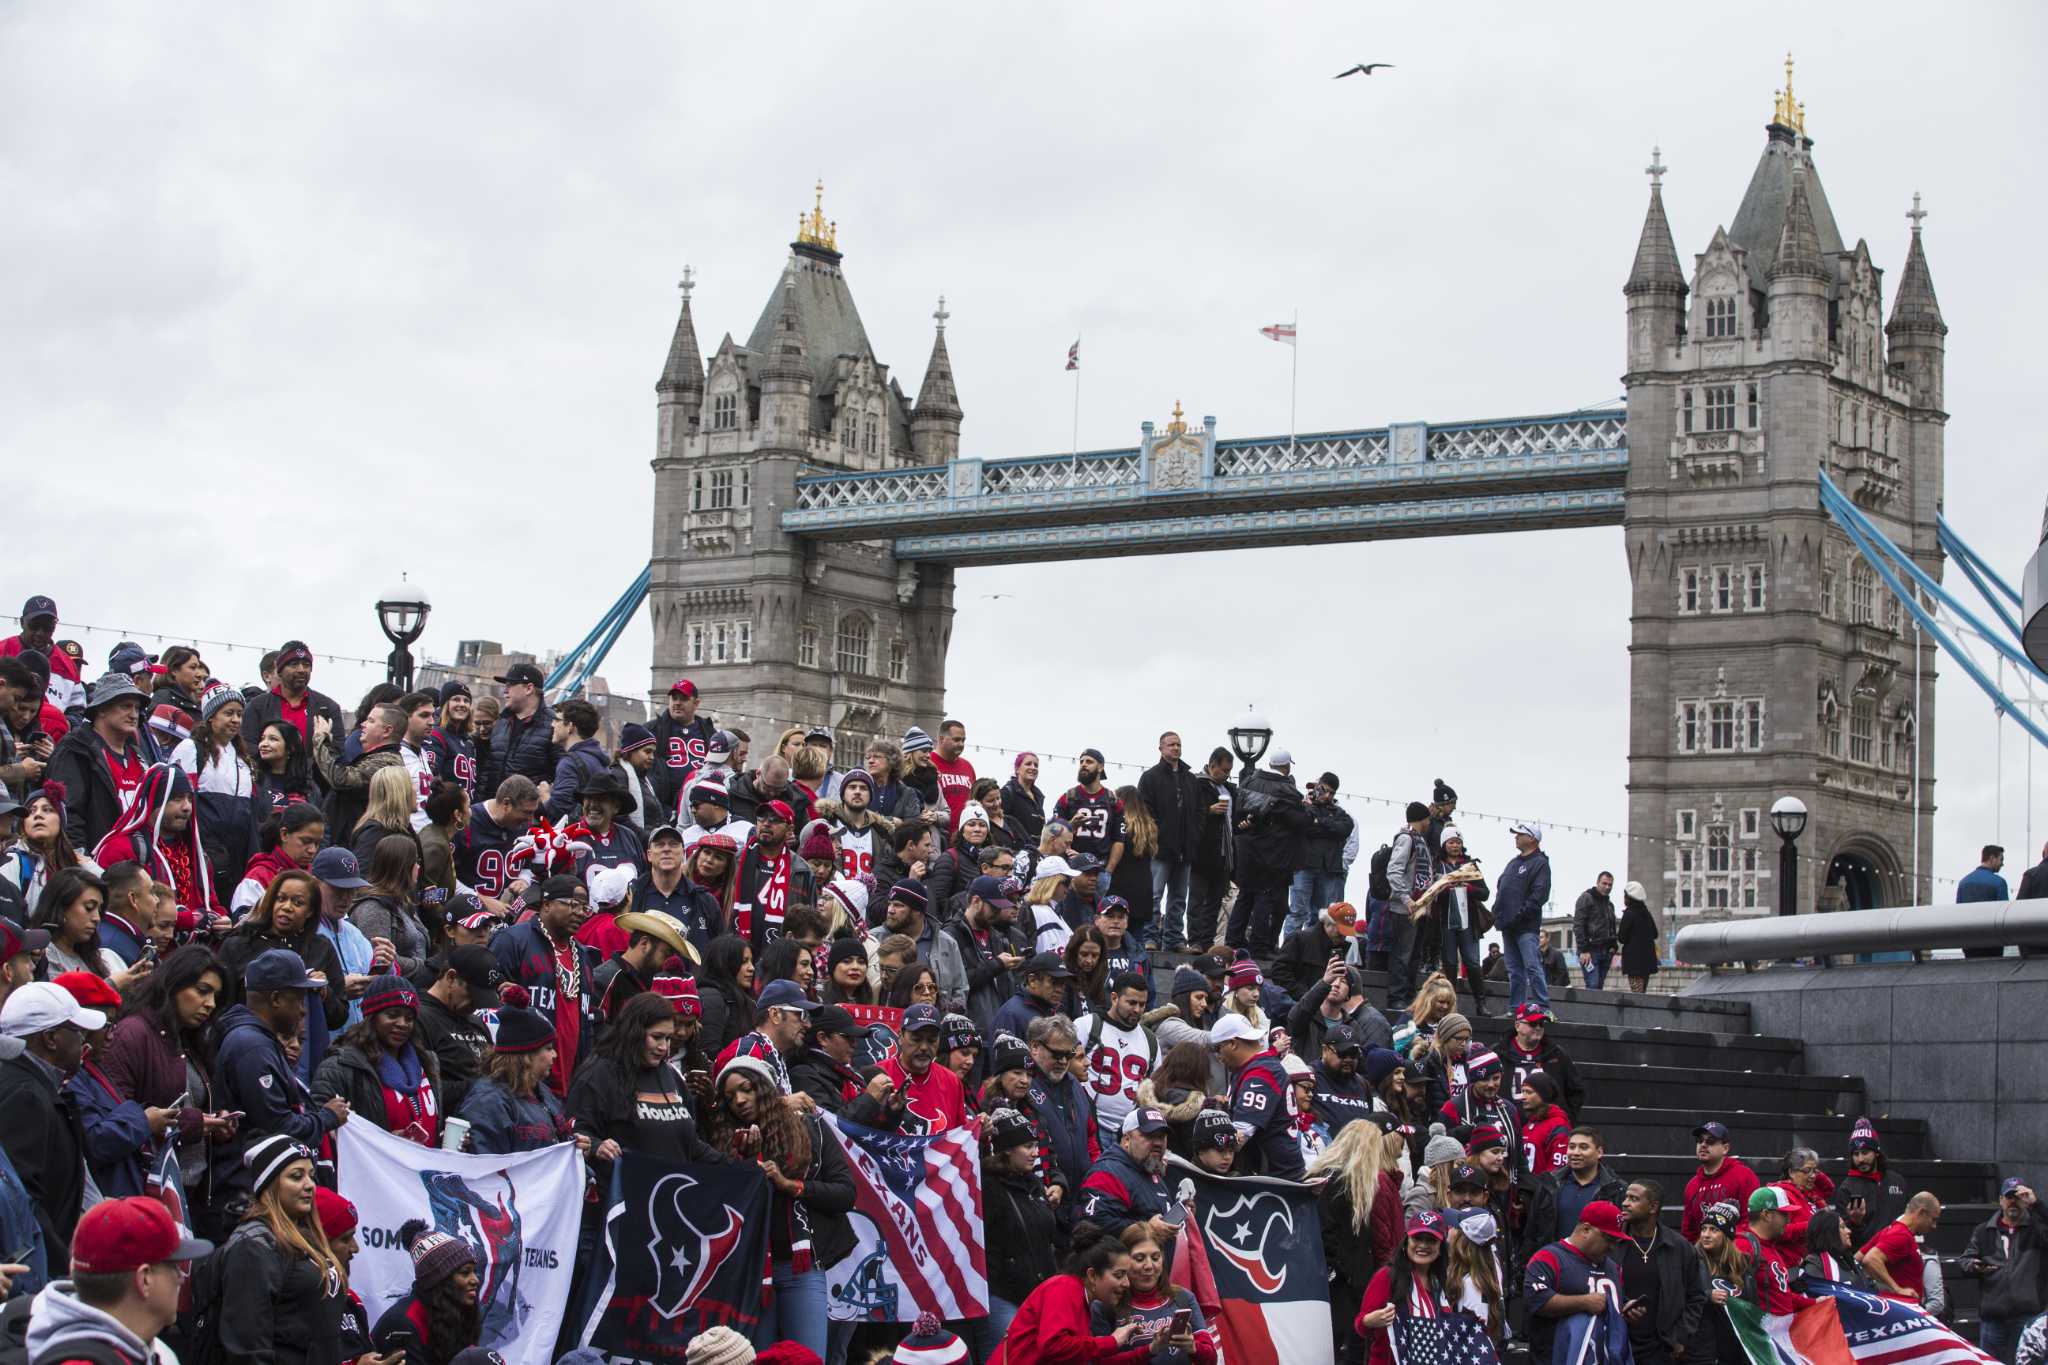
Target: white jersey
<point>419,766</point>
<point>1049,932</point>
<point>856,849</point>
<point>1117,1061</point>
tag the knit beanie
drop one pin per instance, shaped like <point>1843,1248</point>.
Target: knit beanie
<point>1441,1148</point>
<point>1543,1085</point>
<point>389,993</point>
<point>337,1215</point>
<point>783,1353</point>
<point>844,950</point>
<point>435,1255</point>
<point>916,741</point>
<point>1380,1063</point>
<point>1481,1063</point>
<point>269,1156</point>
<point>858,775</point>
<point>818,844</point>
<point>1245,973</point>
<point>852,895</point>
<point>929,1343</point>
<point>719,1346</point>
<point>1186,978</point>
<point>1453,1024</point>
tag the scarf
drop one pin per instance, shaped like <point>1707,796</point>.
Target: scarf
<point>769,901</point>
<point>140,828</point>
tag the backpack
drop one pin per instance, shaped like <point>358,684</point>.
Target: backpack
<point>1095,1037</point>
<point>1377,886</point>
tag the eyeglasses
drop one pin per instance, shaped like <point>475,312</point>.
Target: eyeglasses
<point>1057,1055</point>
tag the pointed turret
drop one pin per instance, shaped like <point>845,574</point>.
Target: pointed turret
<point>1916,331</point>
<point>785,374</point>
<point>1798,254</point>
<point>935,422</point>
<point>679,393</point>
<point>1656,285</point>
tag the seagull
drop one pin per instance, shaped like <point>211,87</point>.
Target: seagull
<point>1362,69</point>
<point>994,596</point>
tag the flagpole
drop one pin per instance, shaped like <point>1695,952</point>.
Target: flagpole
<point>1294,381</point>
<point>1077,401</point>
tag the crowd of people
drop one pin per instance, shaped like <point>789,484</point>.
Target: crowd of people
<point>233,921</point>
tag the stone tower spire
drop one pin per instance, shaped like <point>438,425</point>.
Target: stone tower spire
<point>1799,277</point>
<point>786,376</point>
<point>1656,285</point>
<point>679,393</point>
<point>1916,331</point>
<point>1799,241</point>
<point>935,424</point>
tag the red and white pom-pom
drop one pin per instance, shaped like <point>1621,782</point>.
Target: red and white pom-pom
<point>551,848</point>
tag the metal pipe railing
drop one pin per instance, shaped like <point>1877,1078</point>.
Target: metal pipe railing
<point>1912,928</point>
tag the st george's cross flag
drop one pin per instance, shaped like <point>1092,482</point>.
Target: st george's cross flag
<point>916,1219</point>
<point>1262,1241</point>
<point>1849,1327</point>
<point>1282,332</point>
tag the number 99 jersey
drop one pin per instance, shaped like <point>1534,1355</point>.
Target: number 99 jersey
<point>1117,1060</point>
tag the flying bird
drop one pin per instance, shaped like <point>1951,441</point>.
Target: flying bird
<point>1362,69</point>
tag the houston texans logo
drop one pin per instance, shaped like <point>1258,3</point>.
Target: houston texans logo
<point>1242,1232</point>
<point>694,1256</point>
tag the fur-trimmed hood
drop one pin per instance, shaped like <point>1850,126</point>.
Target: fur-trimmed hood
<point>831,809</point>
<point>1183,1112</point>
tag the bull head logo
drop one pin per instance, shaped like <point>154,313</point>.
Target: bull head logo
<point>686,1258</point>
<point>1243,1233</point>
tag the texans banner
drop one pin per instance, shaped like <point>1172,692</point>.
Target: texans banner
<point>1262,1241</point>
<point>1453,1339</point>
<point>685,1249</point>
<point>519,1213</point>
<point>1593,1338</point>
<point>1849,1327</point>
<point>882,1023</point>
<point>917,1223</point>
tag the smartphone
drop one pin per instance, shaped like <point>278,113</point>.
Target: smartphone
<point>1182,1324</point>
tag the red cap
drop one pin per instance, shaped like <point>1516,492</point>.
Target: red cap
<point>1604,1216</point>
<point>682,687</point>
<point>781,808</point>
<point>337,1215</point>
<point>89,990</point>
<point>116,1235</point>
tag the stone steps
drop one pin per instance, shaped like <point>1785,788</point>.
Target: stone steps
<point>1649,1129</point>
<point>1722,1093</point>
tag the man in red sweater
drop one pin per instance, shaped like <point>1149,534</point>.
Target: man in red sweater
<point>1765,1245</point>
<point>1721,1177</point>
<point>1892,1258</point>
<point>956,774</point>
<point>930,1091</point>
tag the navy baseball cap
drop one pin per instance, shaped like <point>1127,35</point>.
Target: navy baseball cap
<point>1084,863</point>
<point>1049,964</point>
<point>1143,1120</point>
<point>1342,1039</point>
<point>1466,1174</point>
<point>918,1018</point>
<point>523,673</point>
<point>990,890</point>
<point>338,867</point>
<point>1113,905</point>
<point>2011,1185</point>
<point>36,608</point>
<point>280,969</point>
<point>786,995</point>
<point>1712,1129</point>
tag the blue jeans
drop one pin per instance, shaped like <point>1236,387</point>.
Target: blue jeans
<point>983,1335</point>
<point>2001,1337</point>
<point>1596,968</point>
<point>1169,878</point>
<point>1310,894</point>
<point>1525,968</point>
<point>798,1313</point>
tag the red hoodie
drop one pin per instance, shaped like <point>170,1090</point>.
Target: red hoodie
<point>1733,1184</point>
<point>1052,1328</point>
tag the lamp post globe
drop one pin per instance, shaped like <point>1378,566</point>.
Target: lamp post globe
<point>402,616</point>
<point>1788,817</point>
<point>1250,737</point>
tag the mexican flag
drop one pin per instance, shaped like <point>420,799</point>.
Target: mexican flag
<point>1812,1336</point>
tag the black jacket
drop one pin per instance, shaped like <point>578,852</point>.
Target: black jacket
<point>1541,1214</point>
<point>524,747</point>
<point>579,763</point>
<point>2033,883</point>
<point>46,1142</point>
<point>273,1308</point>
<point>1024,813</point>
<point>1305,954</point>
<point>243,945</point>
<point>91,803</point>
<point>1595,927</point>
<point>1276,844</point>
<point>1329,826</point>
<point>746,795</point>
<point>458,1042</point>
<point>2015,1280</point>
<point>1306,1024</point>
<point>988,982</point>
<point>814,1073</point>
<point>1169,789</point>
<point>351,1074</point>
<point>1023,1234</point>
<point>268,708</point>
<point>1681,1286</point>
<point>1216,843</point>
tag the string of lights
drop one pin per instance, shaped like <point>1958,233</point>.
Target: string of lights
<point>776,724</point>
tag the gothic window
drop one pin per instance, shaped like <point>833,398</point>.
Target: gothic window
<point>1721,726</point>
<point>1685,411</point>
<point>899,661</point>
<point>1721,408</point>
<point>743,487</point>
<point>1753,724</point>
<point>1827,594</point>
<point>1756,406</point>
<point>854,639</point>
<point>743,642</point>
<point>725,411</point>
<point>696,649</point>
<point>1748,861</point>
<point>1686,823</point>
<point>867,435</point>
<point>1685,864</point>
<point>1755,593</point>
<point>1862,594</point>
<point>1720,318</point>
<point>1891,613</point>
<point>1689,727</point>
<point>697,491</point>
<point>846,429</point>
<point>807,647</point>
<point>1717,894</point>
<point>1751,823</point>
<point>1718,857</point>
<point>1724,588</point>
<point>1689,590</point>
<point>1749,893</point>
<point>721,643</point>
<point>1831,730</point>
<point>720,497</point>
<point>1862,729</point>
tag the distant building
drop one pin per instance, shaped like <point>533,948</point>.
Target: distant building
<point>480,663</point>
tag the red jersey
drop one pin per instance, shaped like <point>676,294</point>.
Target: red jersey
<point>935,1097</point>
<point>1544,1140</point>
<point>956,785</point>
<point>1733,1183</point>
<point>1901,1251</point>
<point>127,772</point>
<point>1774,1269</point>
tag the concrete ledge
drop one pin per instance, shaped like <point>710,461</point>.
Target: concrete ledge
<point>1959,1043</point>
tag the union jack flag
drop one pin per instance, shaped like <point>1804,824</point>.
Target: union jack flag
<point>1074,355</point>
<point>917,1213</point>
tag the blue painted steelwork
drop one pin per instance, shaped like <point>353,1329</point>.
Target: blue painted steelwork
<point>589,654</point>
<point>1977,571</point>
<point>1882,555</point>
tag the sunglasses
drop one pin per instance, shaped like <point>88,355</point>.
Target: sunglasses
<point>1057,1055</point>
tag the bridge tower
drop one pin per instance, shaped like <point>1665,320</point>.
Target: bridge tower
<point>1766,660</point>
<point>772,628</point>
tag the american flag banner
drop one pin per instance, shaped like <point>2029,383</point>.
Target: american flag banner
<point>1453,1339</point>
<point>1849,1327</point>
<point>1282,332</point>
<point>917,1220</point>
<point>1074,355</point>
<point>1593,1338</point>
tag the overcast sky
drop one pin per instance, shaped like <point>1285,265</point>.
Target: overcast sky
<point>303,297</point>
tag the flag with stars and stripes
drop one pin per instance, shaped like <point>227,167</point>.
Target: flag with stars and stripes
<point>1074,355</point>
<point>1849,1327</point>
<point>1452,1339</point>
<point>919,1246</point>
<point>1261,1240</point>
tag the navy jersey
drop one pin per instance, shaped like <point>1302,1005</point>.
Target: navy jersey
<point>453,759</point>
<point>1561,1268</point>
<point>617,847</point>
<point>480,851</point>
<point>1097,820</point>
<point>678,748</point>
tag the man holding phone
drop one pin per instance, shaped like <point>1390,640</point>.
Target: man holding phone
<point>1663,1280</point>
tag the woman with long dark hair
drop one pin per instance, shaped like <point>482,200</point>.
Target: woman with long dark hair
<point>1179,1088</point>
<point>41,846</point>
<point>846,974</point>
<point>222,782</point>
<point>276,1279</point>
<point>386,908</point>
<point>378,1069</point>
<point>440,1318</point>
<point>725,987</point>
<point>1410,1286</point>
<point>288,917</point>
<point>1728,1277</point>
<point>788,960</point>
<point>69,909</point>
<point>1053,1325</point>
<point>1087,957</point>
<point>1154,1301</point>
<point>289,840</point>
<point>916,984</point>
<point>630,1096</point>
<point>752,1120</point>
<point>174,702</point>
<point>160,1054</point>
<point>282,770</point>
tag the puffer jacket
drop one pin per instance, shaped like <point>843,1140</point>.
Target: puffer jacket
<point>351,1074</point>
<point>1023,1234</point>
<point>272,1307</point>
<point>526,747</point>
<point>1180,1107</point>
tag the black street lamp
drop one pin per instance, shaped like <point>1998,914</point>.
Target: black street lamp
<point>402,615</point>
<point>1788,817</point>
<point>1249,738</point>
